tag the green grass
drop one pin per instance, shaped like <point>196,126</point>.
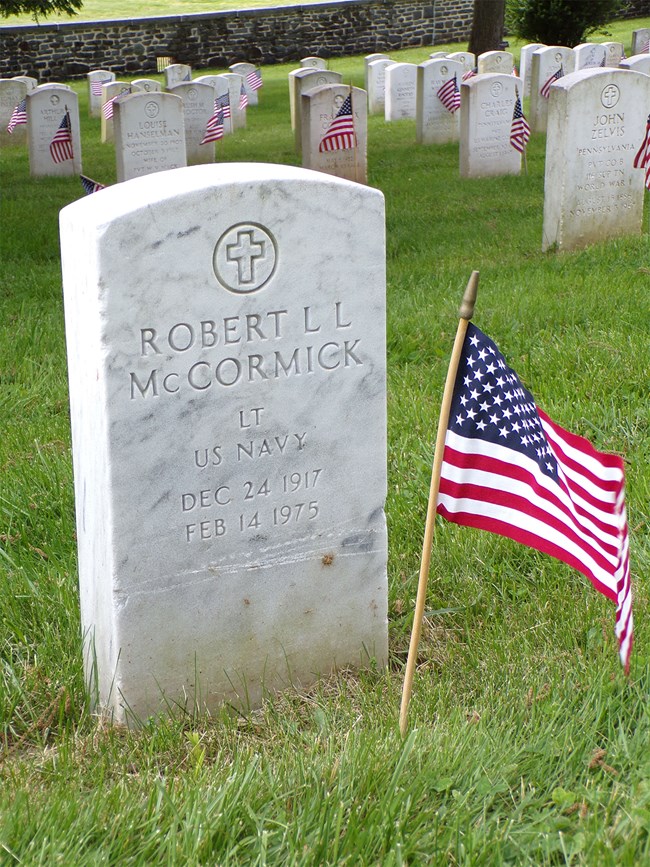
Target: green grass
<point>528,744</point>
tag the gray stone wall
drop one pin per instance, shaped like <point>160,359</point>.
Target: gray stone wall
<point>216,39</point>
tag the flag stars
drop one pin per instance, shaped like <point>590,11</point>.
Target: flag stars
<point>474,340</point>
<point>484,406</point>
<point>487,386</point>
<point>471,414</point>
<point>478,374</point>
<point>467,380</point>
<point>490,368</point>
<point>473,394</point>
<point>494,418</point>
<point>471,360</point>
<point>482,355</point>
<point>503,431</point>
<point>463,400</point>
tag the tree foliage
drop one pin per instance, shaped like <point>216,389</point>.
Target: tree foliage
<point>559,22</point>
<point>39,8</point>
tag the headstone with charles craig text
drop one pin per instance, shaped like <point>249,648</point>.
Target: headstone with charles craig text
<point>486,112</point>
<point>592,192</point>
<point>328,144</point>
<point>228,408</point>
<point>53,133</point>
<point>149,134</point>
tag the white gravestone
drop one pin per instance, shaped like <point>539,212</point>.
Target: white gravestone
<point>590,55</point>
<point>222,87</point>
<point>377,85</point>
<point>116,90</point>
<point>32,83</point>
<point>198,108</point>
<point>641,41</point>
<point>638,63</point>
<point>12,92</point>
<point>487,106</point>
<point>614,52</point>
<point>434,123</point>
<point>319,109</point>
<point>148,85</point>
<point>465,57</point>
<point>436,55</point>
<point>227,389</point>
<point>96,78</point>
<point>313,63</point>
<point>596,124</point>
<point>546,63</point>
<point>246,69</point>
<point>525,57</point>
<point>175,73</point>
<point>47,107</point>
<point>149,134</point>
<point>401,89</point>
<point>302,81</point>
<point>495,61</point>
<point>367,60</point>
<point>237,112</point>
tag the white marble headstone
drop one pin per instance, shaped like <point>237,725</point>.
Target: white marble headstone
<point>638,63</point>
<point>46,108</point>
<point>486,111</point>
<point>545,64</point>
<point>434,123</point>
<point>175,73</point>
<point>222,86</point>
<point>237,113</point>
<point>436,55</point>
<point>590,55</point>
<point>300,82</point>
<point>245,69</point>
<point>32,83</point>
<point>592,192</point>
<point>320,106</point>
<point>367,60</point>
<point>313,63</point>
<point>96,78</point>
<point>148,85</point>
<point>495,61</point>
<point>614,52</point>
<point>198,108</point>
<point>114,90</point>
<point>401,88</point>
<point>12,92</point>
<point>149,134</point>
<point>525,58</point>
<point>227,389</point>
<point>641,40</point>
<point>465,57</point>
<point>376,74</point>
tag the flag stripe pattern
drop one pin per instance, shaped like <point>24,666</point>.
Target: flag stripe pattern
<point>223,102</point>
<point>243,98</point>
<point>469,74</point>
<point>18,115</point>
<point>96,85</point>
<point>340,134</point>
<point>214,127</point>
<point>642,158</point>
<point>519,129</point>
<point>90,186</point>
<point>61,144</point>
<point>509,469</point>
<point>449,95</point>
<point>254,79</point>
<point>546,87</point>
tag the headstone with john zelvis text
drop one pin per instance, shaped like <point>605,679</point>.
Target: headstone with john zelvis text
<point>614,53</point>
<point>590,55</point>
<point>53,133</point>
<point>111,93</point>
<point>335,131</point>
<point>247,71</point>
<point>596,123</point>
<point>377,85</point>
<point>149,134</point>
<point>486,112</point>
<point>401,88</point>
<point>301,81</point>
<point>175,73</point>
<point>313,63</point>
<point>525,59</point>
<point>228,408</point>
<point>12,93</point>
<point>96,78</point>
<point>198,109</point>
<point>495,61</point>
<point>641,41</point>
<point>367,60</point>
<point>547,66</point>
<point>225,93</point>
<point>638,63</point>
<point>465,57</point>
<point>438,117</point>
<point>148,85</point>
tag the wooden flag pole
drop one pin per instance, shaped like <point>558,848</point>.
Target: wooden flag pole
<point>356,140</point>
<point>466,312</point>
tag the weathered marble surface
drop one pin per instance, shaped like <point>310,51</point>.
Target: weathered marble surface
<point>401,88</point>
<point>319,108</point>
<point>12,92</point>
<point>486,110</point>
<point>545,62</point>
<point>149,134</point>
<point>227,386</point>
<point>97,76</point>
<point>435,124</point>
<point>46,108</point>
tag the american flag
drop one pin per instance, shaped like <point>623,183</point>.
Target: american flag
<point>96,85</point>
<point>645,48</point>
<point>243,98</point>
<point>340,134</point>
<point>223,102</point>
<point>546,87</point>
<point>515,72</point>
<point>470,74</point>
<point>449,95</point>
<point>519,129</point>
<point>214,127</point>
<point>254,79</point>
<point>90,186</point>
<point>642,158</point>
<point>108,107</point>
<point>61,144</point>
<point>509,469</point>
<point>18,115</point>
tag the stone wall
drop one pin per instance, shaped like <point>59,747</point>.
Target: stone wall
<point>273,35</point>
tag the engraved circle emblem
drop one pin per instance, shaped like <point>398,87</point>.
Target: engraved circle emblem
<point>496,88</point>
<point>558,56</point>
<point>338,102</point>
<point>54,99</point>
<point>610,96</point>
<point>498,59</point>
<point>443,70</point>
<point>192,93</point>
<point>244,258</point>
<point>321,79</point>
<point>152,109</point>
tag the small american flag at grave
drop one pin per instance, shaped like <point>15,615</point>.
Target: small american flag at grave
<point>340,134</point>
<point>546,87</point>
<point>61,144</point>
<point>449,95</point>
<point>519,130</point>
<point>214,127</point>
<point>254,79</point>
<point>642,158</point>
<point>18,115</point>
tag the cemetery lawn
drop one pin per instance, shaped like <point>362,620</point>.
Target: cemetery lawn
<point>527,743</point>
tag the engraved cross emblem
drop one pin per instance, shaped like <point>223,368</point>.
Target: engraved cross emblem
<point>610,96</point>
<point>245,252</point>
